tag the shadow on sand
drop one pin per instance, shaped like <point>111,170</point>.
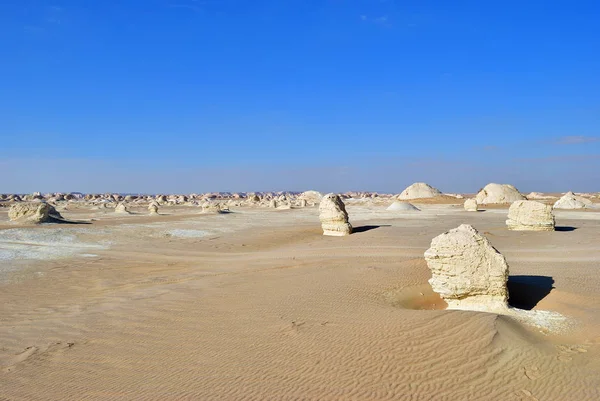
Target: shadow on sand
<point>565,228</point>
<point>57,220</point>
<point>362,229</point>
<point>524,292</point>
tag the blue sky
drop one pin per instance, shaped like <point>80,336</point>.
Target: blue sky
<point>333,95</point>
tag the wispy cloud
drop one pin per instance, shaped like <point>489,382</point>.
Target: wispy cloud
<point>575,139</point>
<point>382,20</point>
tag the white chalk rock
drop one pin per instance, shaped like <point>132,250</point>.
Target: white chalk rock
<point>530,215</point>
<point>403,207</point>
<point>467,271</point>
<point>211,207</point>
<point>312,197</point>
<point>471,205</point>
<point>498,193</point>
<point>33,212</point>
<point>333,216</point>
<point>153,208</point>
<point>572,201</point>
<point>121,208</point>
<point>419,190</point>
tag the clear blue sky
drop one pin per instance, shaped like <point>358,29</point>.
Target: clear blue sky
<point>216,95</point>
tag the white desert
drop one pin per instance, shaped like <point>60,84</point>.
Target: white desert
<point>235,296</point>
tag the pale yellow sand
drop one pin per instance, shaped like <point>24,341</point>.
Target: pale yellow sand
<point>258,305</point>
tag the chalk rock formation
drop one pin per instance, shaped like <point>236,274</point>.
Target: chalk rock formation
<point>153,208</point>
<point>530,215</point>
<point>498,193</point>
<point>211,207</point>
<point>312,197</point>
<point>537,195</point>
<point>333,216</point>
<point>471,205</point>
<point>419,190</point>
<point>403,207</point>
<point>121,208</point>
<point>467,271</point>
<point>33,212</point>
<point>302,203</point>
<point>572,201</point>
<point>273,203</point>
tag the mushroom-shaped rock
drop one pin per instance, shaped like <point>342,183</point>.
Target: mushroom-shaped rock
<point>471,205</point>
<point>121,208</point>
<point>572,201</point>
<point>467,271</point>
<point>333,216</point>
<point>419,190</point>
<point>403,207</point>
<point>530,216</point>
<point>33,212</point>
<point>313,197</point>
<point>498,193</point>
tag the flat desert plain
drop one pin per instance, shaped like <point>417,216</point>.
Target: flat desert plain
<point>257,304</point>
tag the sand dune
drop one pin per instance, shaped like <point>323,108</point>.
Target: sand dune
<point>262,306</point>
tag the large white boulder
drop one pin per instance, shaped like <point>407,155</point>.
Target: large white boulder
<point>530,215</point>
<point>121,208</point>
<point>471,205</point>
<point>572,201</point>
<point>419,190</point>
<point>403,207</point>
<point>498,193</point>
<point>467,271</point>
<point>33,212</point>
<point>312,197</point>
<point>333,216</point>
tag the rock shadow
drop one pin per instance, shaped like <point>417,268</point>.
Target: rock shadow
<point>362,229</point>
<point>524,292</point>
<point>57,220</point>
<point>565,228</point>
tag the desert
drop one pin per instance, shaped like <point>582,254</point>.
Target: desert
<point>225,296</point>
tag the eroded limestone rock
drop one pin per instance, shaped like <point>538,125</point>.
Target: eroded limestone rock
<point>530,215</point>
<point>467,271</point>
<point>333,216</point>
<point>498,194</point>
<point>471,205</point>
<point>419,190</point>
<point>33,212</point>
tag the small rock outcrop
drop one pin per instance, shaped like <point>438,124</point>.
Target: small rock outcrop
<point>312,197</point>
<point>419,190</point>
<point>153,208</point>
<point>530,216</point>
<point>33,212</point>
<point>121,208</point>
<point>467,271</point>
<point>402,207</point>
<point>333,216</point>
<point>471,205</point>
<point>498,194</point>
<point>572,201</point>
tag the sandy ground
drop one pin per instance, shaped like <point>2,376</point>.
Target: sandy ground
<point>258,305</point>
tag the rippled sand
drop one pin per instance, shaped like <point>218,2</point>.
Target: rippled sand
<point>257,304</point>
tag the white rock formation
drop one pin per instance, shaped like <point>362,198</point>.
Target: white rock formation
<point>572,201</point>
<point>273,203</point>
<point>211,207</point>
<point>403,207</point>
<point>33,212</point>
<point>302,203</point>
<point>121,208</point>
<point>498,193</point>
<point>467,271</point>
<point>333,216</point>
<point>471,205</point>
<point>153,208</point>
<point>530,215</point>
<point>419,190</point>
<point>312,197</point>
<point>537,195</point>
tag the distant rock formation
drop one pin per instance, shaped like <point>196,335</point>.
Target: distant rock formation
<point>572,201</point>
<point>467,271</point>
<point>33,212</point>
<point>333,216</point>
<point>121,208</point>
<point>403,207</point>
<point>498,193</point>
<point>419,190</point>
<point>273,203</point>
<point>312,197</point>
<point>211,207</point>
<point>471,205</point>
<point>153,208</point>
<point>530,215</point>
